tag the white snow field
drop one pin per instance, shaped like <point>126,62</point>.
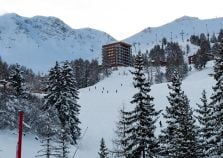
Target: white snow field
<point>100,111</point>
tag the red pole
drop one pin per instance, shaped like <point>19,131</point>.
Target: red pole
<point>19,145</point>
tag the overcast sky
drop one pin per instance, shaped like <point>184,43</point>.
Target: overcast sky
<point>119,18</point>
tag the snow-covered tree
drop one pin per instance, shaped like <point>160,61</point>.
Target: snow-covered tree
<point>206,127</point>
<point>16,80</point>
<point>178,139</point>
<point>8,111</point>
<point>217,103</point>
<point>103,151</point>
<point>62,96</point>
<point>141,141</point>
<point>53,87</point>
<point>68,108</point>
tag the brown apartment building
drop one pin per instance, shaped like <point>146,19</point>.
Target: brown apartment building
<point>117,54</point>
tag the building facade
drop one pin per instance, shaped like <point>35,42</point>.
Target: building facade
<point>117,54</point>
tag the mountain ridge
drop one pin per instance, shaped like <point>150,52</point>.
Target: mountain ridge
<point>173,31</point>
<point>39,41</point>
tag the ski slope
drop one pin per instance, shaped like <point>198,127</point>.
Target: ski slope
<point>178,30</point>
<point>100,105</point>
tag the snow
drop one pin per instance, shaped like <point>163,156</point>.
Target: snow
<point>100,111</point>
<point>147,38</point>
<point>39,42</point>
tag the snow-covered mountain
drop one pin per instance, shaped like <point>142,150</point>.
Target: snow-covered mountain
<point>180,30</point>
<point>100,105</point>
<point>39,41</point>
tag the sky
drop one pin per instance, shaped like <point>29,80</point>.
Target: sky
<point>119,18</point>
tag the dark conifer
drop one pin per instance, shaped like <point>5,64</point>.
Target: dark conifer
<point>17,81</point>
<point>179,138</point>
<point>217,104</point>
<point>206,127</point>
<point>68,108</point>
<point>141,141</point>
<point>103,151</point>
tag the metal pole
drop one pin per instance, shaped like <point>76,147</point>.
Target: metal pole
<point>19,145</point>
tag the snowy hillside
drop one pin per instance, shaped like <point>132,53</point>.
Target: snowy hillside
<point>99,110</point>
<point>181,30</point>
<point>39,41</point>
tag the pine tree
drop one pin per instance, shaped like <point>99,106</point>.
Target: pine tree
<point>217,103</point>
<point>4,72</point>
<point>175,61</point>
<point>106,66</point>
<point>103,151</point>
<point>178,139</point>
<point>68,108</point>
<point>206,127</point>
<point>62,96</point>
<point>220,35</point>
<point>17,81</point>
<point>119,141</point>
<point>53,87</point>
<point>141,141</point>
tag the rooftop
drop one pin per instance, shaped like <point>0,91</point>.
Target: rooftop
<point>116,43</point>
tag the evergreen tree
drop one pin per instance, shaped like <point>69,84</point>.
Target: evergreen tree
<point>195,40</point>
<point>62,99</point>
<point>220,35</point>
<point>164,42</point>
<point>103,151</point>
<point>68,109</point>
<point>201,57</point>
<point>213,38</point>
<point>217,103</point>
<point>53,87</point>
<point>106,65</point>
<point>141,141</point>
<point>93,72</point>
<point>206,127</point>
<point>157,55</point>
<point>17,81</point>
<point>4,72</point>
<point>175,61</point>
<point>119,142</point>
<point>86,72</point>
<point>178,139</point>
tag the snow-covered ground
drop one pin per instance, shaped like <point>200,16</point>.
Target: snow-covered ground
<point>100,105</point>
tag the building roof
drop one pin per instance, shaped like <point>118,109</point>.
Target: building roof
<point>117,43</point>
